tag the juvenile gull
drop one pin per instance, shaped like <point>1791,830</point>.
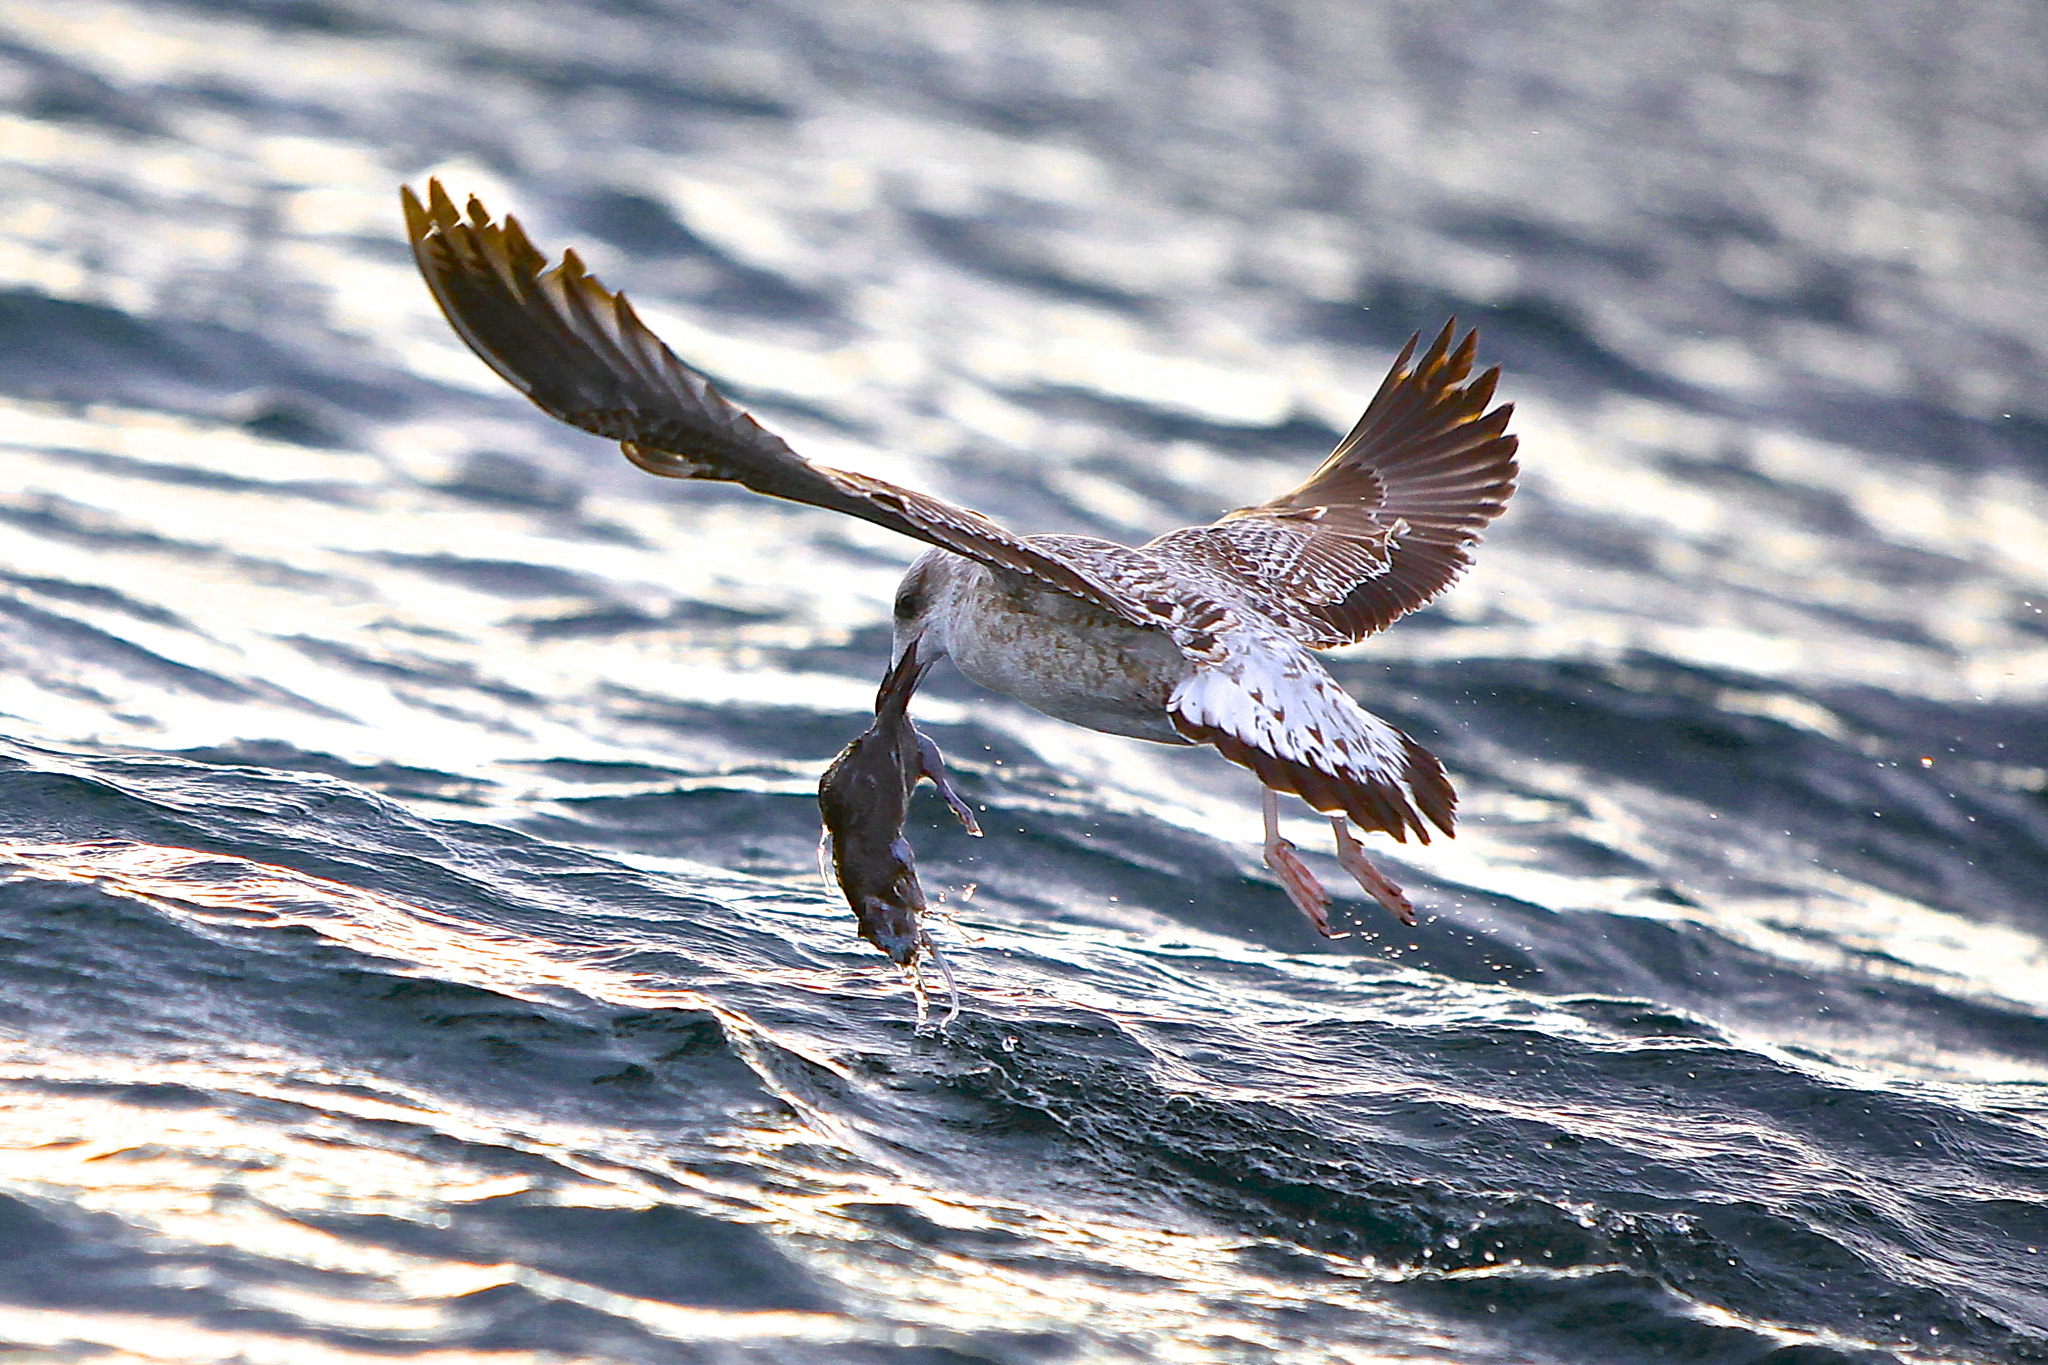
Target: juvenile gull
<point>1204,635</point>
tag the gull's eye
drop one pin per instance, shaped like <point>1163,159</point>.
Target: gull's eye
<point>910,599</point>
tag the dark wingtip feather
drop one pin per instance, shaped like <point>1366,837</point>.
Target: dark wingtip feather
<point>415,213</point>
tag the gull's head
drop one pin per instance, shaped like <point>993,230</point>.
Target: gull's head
<point>923,600</point>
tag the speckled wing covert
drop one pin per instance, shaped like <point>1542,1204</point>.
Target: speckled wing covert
<point>1388,521</point>
<point>582,355</point>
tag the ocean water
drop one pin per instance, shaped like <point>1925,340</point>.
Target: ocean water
<point>413,943</point>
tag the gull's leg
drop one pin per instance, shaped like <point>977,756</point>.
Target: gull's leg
<point>1301,885</point>
<point>1351,854</point>
<point>934,764</point>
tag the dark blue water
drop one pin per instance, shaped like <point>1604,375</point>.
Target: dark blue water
<point>413,941</point>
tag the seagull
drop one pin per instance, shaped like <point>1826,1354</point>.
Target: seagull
<point>1205,635</point>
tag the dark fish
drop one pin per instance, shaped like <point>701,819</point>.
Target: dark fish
<point>865,799</point>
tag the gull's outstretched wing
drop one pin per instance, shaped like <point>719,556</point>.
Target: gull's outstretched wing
<point>581,354</point>
<point>1388,521</point>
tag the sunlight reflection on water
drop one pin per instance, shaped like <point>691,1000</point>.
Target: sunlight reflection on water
<point>413,940</point>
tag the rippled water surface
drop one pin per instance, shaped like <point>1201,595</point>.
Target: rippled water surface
<point>413,941</point>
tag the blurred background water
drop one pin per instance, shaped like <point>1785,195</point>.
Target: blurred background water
<point>413,942</point>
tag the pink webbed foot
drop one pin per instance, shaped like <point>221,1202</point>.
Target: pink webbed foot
<point>1351,854</point>
<point>1301,885</point>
